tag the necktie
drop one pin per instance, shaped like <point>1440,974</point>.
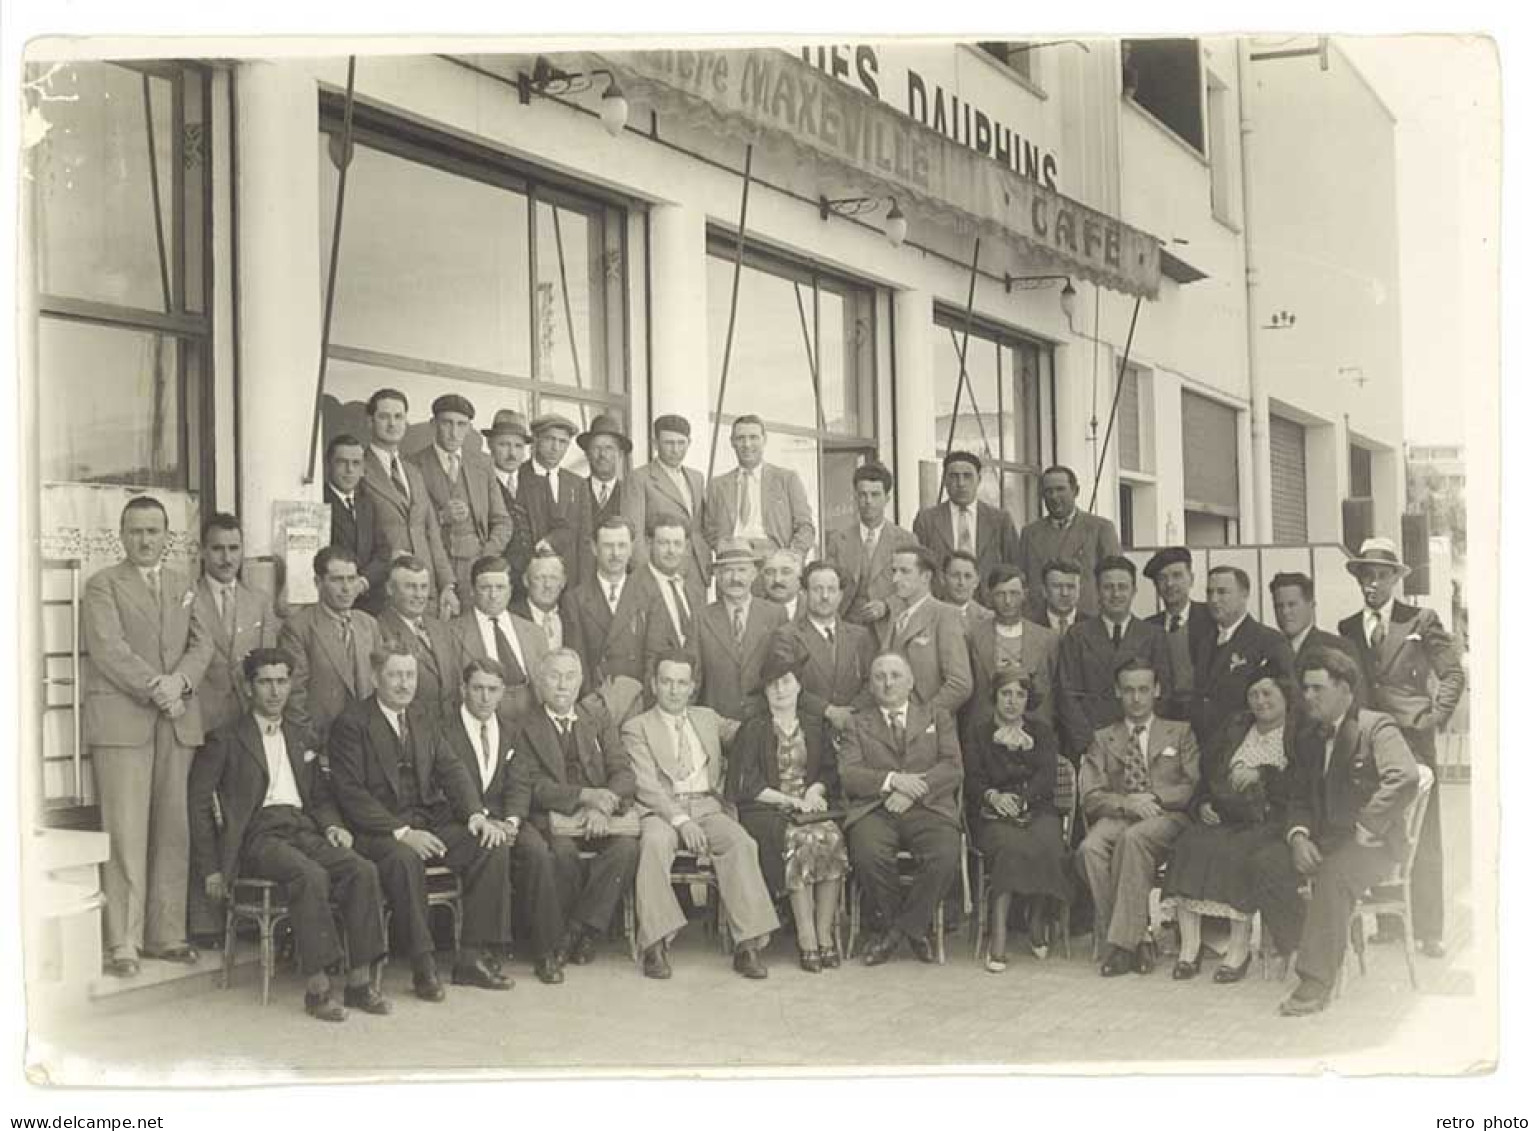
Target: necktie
<point>1174,623</point>
<point>270,729</point>
<point>227,609</point>
<point>871,538</point>
<point>398,477</point>
<point>902,621</point>
<point>613,596</point>
<point>1142,751</point>
<point>552,625</point>
<point>345,629</point>
<point>743,508</point>
<point>964,531</point>
<point>827,633</point>
<point>488,758</point>
<point>603,495</point>
<point>507,657</point>
<point>894,724</point>
<point>152,579</point>
<point>685,625</point>
<point>405,731</point>
<point>684,754</point>
<point>1116,635</point>
<point>1375,638</point>
<point>347,504</point>
<point>1062,624</point>
<point>739,624</point>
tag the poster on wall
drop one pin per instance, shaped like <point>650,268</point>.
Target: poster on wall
<point>81,520</point>
<point>299,530</point>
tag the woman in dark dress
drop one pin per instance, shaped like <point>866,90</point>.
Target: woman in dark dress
<point>782,765</point>
<point>1011,787</point>
<point>1238,806</point>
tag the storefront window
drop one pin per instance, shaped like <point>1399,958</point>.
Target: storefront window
<point>803,359</point>
<point>466,277</point>
<point>1003,418</point>
<point>121,183</point>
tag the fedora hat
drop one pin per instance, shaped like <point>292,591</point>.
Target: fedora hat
<point>507,423</point>
<point>736,551</point>
<point>1377,552</point>
<point>604,425</point>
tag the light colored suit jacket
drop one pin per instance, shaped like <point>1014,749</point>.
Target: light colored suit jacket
<point>654,496</point>
<point>865,580</point>
<point>221,695</point>
<point>787,515</point>
<point>490,525</point>
<point>401,526</point>
<point>1399,672</point>
<point>651,743</point>
<point>935,643</point>
<point>129,641</point>
<point>1087,539</point>
<point>1174,768</point>
<point>325,680</point>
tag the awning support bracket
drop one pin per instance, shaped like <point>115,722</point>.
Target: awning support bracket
<point>1110,424</point>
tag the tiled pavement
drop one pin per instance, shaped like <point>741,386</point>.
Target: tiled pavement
<point>1057,1015</point>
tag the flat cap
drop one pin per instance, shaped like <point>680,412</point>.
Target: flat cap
<point>546,421</point>
<point>670,422</point>
<point>962,457</point>
<point>453,402</point>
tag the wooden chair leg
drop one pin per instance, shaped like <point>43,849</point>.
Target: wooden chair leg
<point>939,929</point>
<point>227,960</point>
<point>982,912</point>
<point>1065,930</point>
<point>267,957</point>
<point>627,910</point>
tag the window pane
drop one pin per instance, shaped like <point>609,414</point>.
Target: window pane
<point>110,410</point>
<point>977,430</point>
<point>575,273</point>
<point>848,338</point>
<point>770,372</point>
<point>95,195</point>
<point>433,265</point>
<point>799,453</point>
<point>196,145</point>
<point>1022,421</point>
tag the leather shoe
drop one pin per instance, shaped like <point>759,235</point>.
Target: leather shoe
<point>579,947</point>
<point>1184,971</point>
<point>425,985</point>
<point>121,967</point>
<point>1433,948</point>
<point>324,1007</point>
<point>183,955</point>
<point>811,962</point>
<point>1226,975</point>
<point>880,949</point>
<point>1118,961</point>
<point>829,957</point>
<point>366,999</point>
<point>1143,960</point>
<point>548,970</point>
<point>654,963</point>
<point>923,950</point>
<point>1296,1006</point>
<point>480,975</point>
<point>747,963</point>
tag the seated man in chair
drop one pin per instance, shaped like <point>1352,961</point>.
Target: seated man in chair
<point>675,751</point>
<point>900,764</point>
<point>280,824</point>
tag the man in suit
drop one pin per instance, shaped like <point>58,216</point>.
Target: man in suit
<point>675,753</point>
<point>1242,647</point>
<point>607,448</point>
<point>680,600</point>
<point>1348,789</point>
<point>1187,624</point>
<point>863,549</point>
<point>1060,582</point>
<point>490,632</point>
<point>410,803</point>
<point>1292,600</point>
<point>507,440</point>
<point>1067,533</point>
<point>900,765</point>
<point>608,613</point>
<point>502,773</point>
<point>554,506</point>
<point>838,653</point>
<point>405,621</point>
<point>928,635</point>
<point>734,634</point>
<point>666,489</point>
<point>1137,780</point>
<point>329,643</point>
<point>1413,673</point>
<point>353,524</point>
<point>544,584</point>
<point>280,823</point>
<point>780,579</point>
<point>583,800</point>
<point>473,519</point>
<point>1095,649</point>
<point>756,501</point>
<point>965,522</point>
<point>958,588</point>
<point>1007,640</point>
<point>146,652</point>
<point>404,517</point>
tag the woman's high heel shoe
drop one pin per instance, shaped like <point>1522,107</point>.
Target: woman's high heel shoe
<point>828,955</point>
<point>1226,975</point>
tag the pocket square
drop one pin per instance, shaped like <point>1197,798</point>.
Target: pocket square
<point>310,756</point>
<point>921,641</point>
<point>930,729</point>
<point>1167,752</point>
<point>1413,637</point>
<point>187,598</point>
<point>1236,661</point>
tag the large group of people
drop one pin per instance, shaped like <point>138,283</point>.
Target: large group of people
<point>558,686</point>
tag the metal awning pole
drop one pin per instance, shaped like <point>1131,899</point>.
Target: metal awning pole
<point>345,163</point>
<point>1121,375</point>
<point>731,317</point>
<point>966,338</point>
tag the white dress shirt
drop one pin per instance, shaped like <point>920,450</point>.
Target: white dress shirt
<point>451,462</point>
<point>754,526</point>
<point>690,756</point>
<point>552,479</point>
<point>895,718</point>
<point>485,758</point>
<point>386,458</point>
<point>613,589</point>
<point>1227,634</point>
<point>489,636</point>
<point>508,479</point>
<point>393,717</point>
<point>970,510</point>
<point>282,789</point>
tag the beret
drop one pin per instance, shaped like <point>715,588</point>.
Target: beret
<point>1167,556</point>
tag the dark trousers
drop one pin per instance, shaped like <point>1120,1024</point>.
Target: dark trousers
<point>1317,928</point>
<point>591,902</point>
<point>934,841</point>
<point>1426,876</point>
<point>283,845</point>
<point>484,874</point>
<point>536,893</point>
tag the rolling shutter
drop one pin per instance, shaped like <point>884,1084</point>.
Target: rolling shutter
<point>1289,481</point>
<point>1210,439</point>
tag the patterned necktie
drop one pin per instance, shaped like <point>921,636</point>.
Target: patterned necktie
<point>552,626</point>
<point>744,510</point>
<point>405,732</point>
<point>964,531</point>
<point>871,538</point>
<point>894,723</point>
<point>347,505</point>
<point>398,477</point>
<point>603,495</point>
<point>685,622</point>
<point>1375,638</point>
<point>683,753</point>
<point>152,579</point>
<point>345,629</point>
<point>1137,773</point>
<point>739,624</point>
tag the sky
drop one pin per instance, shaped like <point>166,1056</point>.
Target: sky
<point>1444,91</point>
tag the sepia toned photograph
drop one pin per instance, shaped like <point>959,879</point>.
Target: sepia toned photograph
<point>757,556</point>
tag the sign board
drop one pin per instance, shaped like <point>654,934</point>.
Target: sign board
<point>299,529</point>
<point>81,521</point>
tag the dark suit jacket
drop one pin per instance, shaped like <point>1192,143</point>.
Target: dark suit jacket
<point>729,672</point>
<point>930,748</point>
<point>519,697</point>
<point>220,694</point>
<point>520,608</point>
<point>656,497</point>
<point>512,784</point>
<point>995,540</point>
<point>401,526</point>
<point>439,662</point>
<point>323,680</point>
<point>835,676</point>
<point>1220,688</point>
<point>1087,539</point>
<point>754,765</point>
<point>661,635</point>
<point>489,527</point>
<point>1201,637</point>
<point>1259,803</point>
<point>605,765</point>
<point>565,526</point>
<point>787,515</point>
<point>359,532</point>
<point>230,772</point>
<point>865,580</point>
<point>610,644</point>
<point>1415,647</point>
<point>1086,667</point>
<point>365,770</point>
<point>1174,768</point>
<point>619,505</point>
<point>1030,773</point>
<point>1371,781</point>
<point>1039,647</point>
<point>1318,638</point>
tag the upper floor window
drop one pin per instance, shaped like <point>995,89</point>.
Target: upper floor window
<point>1019,56</point>
<point>1164,77</point>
